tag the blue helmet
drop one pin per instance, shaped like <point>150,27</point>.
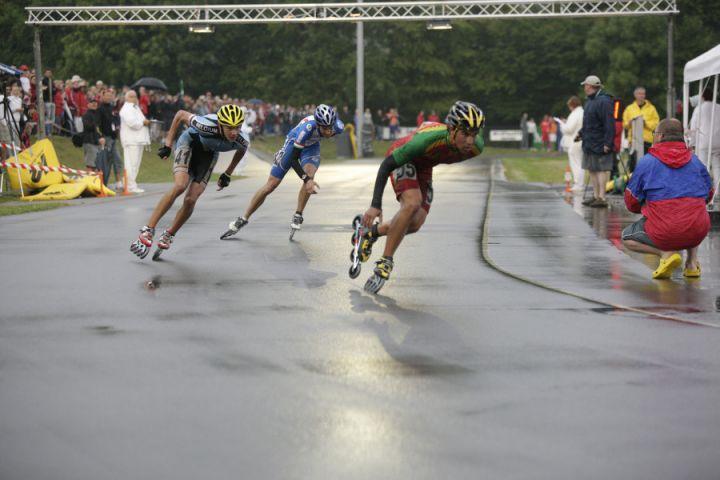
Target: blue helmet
<point>325,115</point>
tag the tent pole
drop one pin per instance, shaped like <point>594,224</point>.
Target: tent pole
<point>671,68</point>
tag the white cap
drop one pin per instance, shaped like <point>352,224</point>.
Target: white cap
<point>75,78</point>
<point>593,81</point>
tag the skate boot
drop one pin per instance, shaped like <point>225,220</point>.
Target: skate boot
<point>163,244</point>
<point>234,227</point>
<point>297,220</point>
<point>141,246</point>
<point>381,274</point>
<point>366,243</point>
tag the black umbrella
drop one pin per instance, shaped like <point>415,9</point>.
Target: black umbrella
<point>151,83</point>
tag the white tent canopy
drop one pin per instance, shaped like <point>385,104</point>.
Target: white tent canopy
<point>704,66</point>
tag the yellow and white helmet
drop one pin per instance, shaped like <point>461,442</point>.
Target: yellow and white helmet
<point>465,115</point>
<point>231,116</point>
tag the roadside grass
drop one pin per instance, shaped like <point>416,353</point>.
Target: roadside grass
<point>153,169</point>
<point>520,165</point>
<point>16,209</point>
<point>548,169</point>
<point>269,144</point>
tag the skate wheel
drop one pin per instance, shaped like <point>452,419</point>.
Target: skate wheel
<point>156,255</point>
<point>354,238</point>
<point>354,271</point>
<point>356,221</point>
<point>292,233</point>
<point>352,255</point>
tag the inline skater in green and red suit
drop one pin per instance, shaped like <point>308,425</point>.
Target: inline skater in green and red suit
<point>409,164</point>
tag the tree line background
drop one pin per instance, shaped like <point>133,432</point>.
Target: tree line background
<point>506,66</point>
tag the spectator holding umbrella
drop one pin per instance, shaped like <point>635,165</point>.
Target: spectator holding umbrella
<point>144,101</point>
<point>134,135</point>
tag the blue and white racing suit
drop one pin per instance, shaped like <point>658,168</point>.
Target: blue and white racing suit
<point>306,136</point>
<point>197,149</point>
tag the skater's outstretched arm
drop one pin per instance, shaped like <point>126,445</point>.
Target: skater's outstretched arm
<point>375,210</point>
<point>224,179</point>
<point>182,116</point>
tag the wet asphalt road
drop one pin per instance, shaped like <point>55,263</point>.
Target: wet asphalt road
<point>259,358</point>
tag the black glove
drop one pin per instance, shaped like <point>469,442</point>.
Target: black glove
<point>164,152</point>
<point>224,180</point>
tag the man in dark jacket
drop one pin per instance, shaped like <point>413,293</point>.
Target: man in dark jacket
<point>598,138</point>
<point>670,187</point>
<point>92,140</point>
<point>109,130</point>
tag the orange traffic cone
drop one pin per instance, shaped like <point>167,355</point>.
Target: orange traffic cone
<point>102,184</point>
<point>125,183</point>
<point>568,179</point>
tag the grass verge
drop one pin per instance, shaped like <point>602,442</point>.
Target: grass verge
<point>528,169</point>
<point>16,209</point>
<point>153,169</point>
<point>520,165</point>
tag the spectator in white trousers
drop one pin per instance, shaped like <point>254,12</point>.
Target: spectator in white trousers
<point>572,144</point>
<point>705,141</point>
<point>134,135</point>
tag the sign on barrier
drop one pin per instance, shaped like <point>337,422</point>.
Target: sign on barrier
<point>506,135</point>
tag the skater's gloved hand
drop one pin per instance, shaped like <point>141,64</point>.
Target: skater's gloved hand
<point>370,216</point>
<point>164,152</point>
<point>223,181</point>
<point>311,186</point>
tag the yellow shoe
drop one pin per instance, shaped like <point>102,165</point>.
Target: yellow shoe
<point>692,273</point>
<point>667,266</point>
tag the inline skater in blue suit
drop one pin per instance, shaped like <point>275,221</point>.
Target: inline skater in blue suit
<point>301,152</point>
<point>196,153</point>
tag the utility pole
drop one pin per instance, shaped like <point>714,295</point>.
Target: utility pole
<point>360,87</point>
<point>39,102</point>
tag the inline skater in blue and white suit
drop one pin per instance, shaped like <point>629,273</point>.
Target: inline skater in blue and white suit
<point>196,153</point>
<point>301,152</point>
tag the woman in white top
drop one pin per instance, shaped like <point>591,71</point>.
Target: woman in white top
<point>570,130</point>
<point>134,135</point>
<point>704,140</point>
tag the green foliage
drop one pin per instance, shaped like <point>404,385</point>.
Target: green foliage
<point>507,67</point>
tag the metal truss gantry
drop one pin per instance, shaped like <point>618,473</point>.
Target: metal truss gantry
<point>343,12</point>
<point>357,11</point>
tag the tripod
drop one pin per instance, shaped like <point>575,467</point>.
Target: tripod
<point>14,130</point>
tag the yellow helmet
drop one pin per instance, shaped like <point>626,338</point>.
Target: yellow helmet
<point>231,116</point>
<point>465,115</point>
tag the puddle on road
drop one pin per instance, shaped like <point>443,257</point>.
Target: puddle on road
<point>104,330</point>
<point>376,368</point>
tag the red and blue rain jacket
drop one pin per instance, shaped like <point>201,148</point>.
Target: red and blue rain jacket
<point>670,187</point>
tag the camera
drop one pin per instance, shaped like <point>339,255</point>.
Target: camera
<point>8,75</point>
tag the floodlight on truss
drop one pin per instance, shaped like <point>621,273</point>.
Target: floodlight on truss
<point>202,28</point>
<point>439,25</point>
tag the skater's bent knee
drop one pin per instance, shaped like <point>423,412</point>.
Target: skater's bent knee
<point>414,228</point>
<point>411,205</point>
<point>179,188</point>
